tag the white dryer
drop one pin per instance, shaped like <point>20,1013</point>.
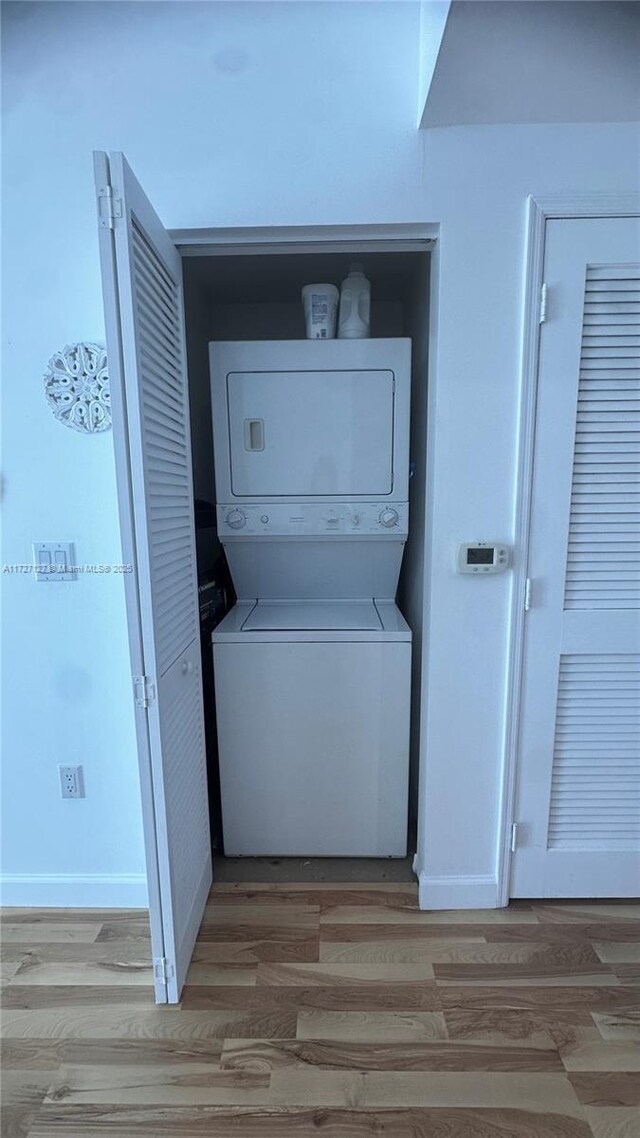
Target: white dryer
<point>310,420</point>
<point>312,666</point>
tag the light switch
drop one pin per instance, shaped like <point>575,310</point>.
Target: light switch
<point>54,560</point>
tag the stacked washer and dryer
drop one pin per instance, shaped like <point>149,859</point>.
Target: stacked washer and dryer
<point>313,663</point>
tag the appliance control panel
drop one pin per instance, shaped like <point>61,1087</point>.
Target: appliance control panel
<point>314,519</point>
<point>483,557</point>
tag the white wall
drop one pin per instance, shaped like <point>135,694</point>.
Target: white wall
<point>476,182</point>
<point>433,19</point>
<point>231,114</point>
<point>235,114</point>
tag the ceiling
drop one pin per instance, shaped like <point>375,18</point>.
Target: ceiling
<point>527,61</point>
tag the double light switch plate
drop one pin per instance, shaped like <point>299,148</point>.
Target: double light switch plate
<point>54,560</point>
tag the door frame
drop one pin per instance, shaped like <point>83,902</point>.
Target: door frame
<point>276,240</point>
<point>410,237</point>
<point>539,211</point>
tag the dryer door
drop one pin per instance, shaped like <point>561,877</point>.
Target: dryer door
<point>311,433</point>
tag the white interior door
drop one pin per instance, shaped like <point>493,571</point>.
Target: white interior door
<point>578,801</point>
<point>142,285</point>
<point>311,433</point>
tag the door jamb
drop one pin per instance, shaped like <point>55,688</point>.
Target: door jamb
<point>539,211</point>
<point>304,239</point>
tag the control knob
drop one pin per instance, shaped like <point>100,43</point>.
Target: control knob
<point>388,517</point>
<point>236,519</point>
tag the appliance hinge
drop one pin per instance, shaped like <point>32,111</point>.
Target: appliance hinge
<point>109,208</point>
<point>542,318</point>
<point>144,690</point>
<point>162,970</point>
<point>527,595</point>
<point>514,836</point>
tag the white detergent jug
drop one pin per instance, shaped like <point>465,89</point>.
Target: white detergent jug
<point>355,305</point>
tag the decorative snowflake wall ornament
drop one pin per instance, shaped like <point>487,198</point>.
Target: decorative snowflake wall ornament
<point>76,386</point>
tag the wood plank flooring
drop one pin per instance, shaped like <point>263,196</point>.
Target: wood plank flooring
<point>335,1010</point>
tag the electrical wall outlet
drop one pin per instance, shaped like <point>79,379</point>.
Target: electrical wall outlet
<point>71,782</point>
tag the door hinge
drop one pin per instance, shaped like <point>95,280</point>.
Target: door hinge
<point>162,970</point>
<point>542,318</point>
<point>527,595</point>
<point>514,836</point>
<point>109,208</point>
<point>144,690</point>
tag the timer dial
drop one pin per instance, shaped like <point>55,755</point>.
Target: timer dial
<point>236,519</point>
<point>388,517</point>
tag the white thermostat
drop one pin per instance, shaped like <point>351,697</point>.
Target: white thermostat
<point>483,557</point>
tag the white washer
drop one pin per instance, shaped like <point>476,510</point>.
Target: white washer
<point>313,723</point>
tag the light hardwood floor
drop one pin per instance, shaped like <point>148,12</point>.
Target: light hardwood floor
<point>327,1010</point>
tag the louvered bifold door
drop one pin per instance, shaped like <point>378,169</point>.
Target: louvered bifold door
<point>142,283</point>
<point>578,803</point>
<point>603,560</point>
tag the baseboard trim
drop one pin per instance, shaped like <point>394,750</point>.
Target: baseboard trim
<point>68,891</point>
<point>472,892</point>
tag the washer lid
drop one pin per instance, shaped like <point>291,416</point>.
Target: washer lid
<point>286,616</point>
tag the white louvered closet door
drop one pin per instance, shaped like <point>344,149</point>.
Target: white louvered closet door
<point>578,801</point>
<point>142,285</point>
